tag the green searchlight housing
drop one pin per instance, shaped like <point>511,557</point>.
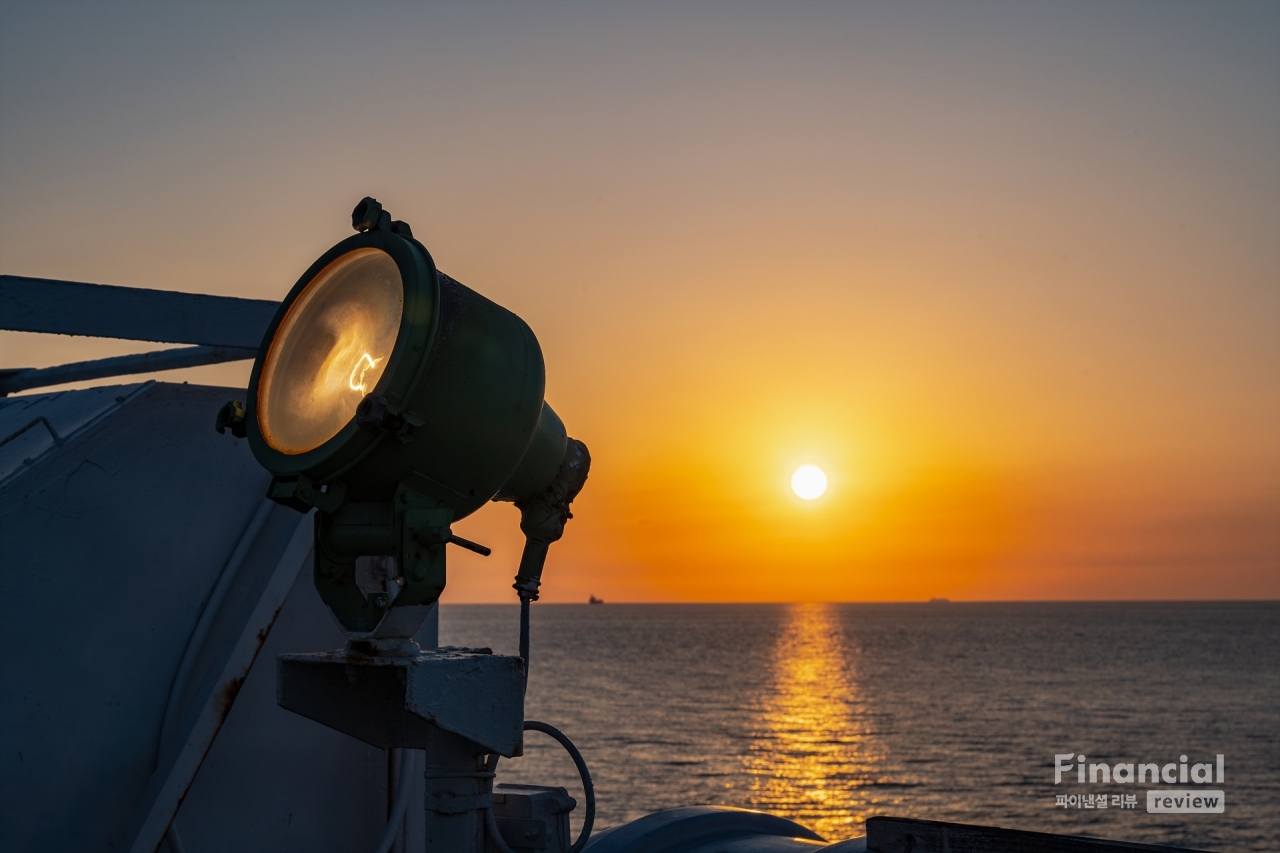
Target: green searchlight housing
<point>396,401</point>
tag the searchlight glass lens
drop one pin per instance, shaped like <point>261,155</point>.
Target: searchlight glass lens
<point>330,350</point>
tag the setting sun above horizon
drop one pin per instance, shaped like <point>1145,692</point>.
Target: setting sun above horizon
<point>809,482</point>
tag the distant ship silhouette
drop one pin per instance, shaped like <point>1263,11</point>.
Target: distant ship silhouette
<point>594,600</point>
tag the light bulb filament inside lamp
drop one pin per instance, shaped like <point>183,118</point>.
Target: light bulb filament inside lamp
<point>363,365</point>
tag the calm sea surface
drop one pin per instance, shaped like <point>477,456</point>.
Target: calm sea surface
<point>829,714</point>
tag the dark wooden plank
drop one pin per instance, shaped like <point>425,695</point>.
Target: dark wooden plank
<point>132,313</point>
<point>903,835</point>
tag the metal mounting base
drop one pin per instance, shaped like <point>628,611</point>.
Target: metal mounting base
<point>405,701</point>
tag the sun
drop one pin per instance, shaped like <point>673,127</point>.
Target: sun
<point>809,482</point>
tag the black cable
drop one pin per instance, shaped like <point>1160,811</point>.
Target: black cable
<point>524,635</point>
<point>404,787</point>
<point>589,816</point>
<point>495,834</point>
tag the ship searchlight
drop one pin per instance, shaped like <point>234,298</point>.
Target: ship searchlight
<point>395,401</point>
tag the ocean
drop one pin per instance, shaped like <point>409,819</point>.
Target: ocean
<point>830,714</point>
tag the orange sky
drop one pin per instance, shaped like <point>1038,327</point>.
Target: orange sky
<point>1009,276</point>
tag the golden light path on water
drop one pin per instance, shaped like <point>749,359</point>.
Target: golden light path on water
<point>813,758</point>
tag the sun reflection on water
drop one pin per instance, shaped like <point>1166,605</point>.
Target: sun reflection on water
<point>813,758</point>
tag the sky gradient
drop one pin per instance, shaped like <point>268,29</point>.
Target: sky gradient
<point>1009,273</point>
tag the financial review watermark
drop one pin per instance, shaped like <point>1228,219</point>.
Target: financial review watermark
<point>1070,768</point>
